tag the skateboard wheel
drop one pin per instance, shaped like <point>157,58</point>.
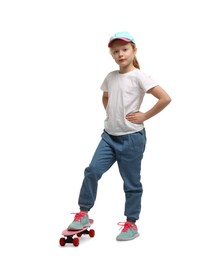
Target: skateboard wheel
<point>91,233</point>
<point>62,241</point>
<point>76,241</point>
<point>79,234</point>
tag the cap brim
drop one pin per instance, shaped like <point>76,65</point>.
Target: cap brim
<point>123,39</point>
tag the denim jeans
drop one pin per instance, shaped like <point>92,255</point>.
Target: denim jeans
<point>127,150</point>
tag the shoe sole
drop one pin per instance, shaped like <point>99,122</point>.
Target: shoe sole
<point>122,239</point>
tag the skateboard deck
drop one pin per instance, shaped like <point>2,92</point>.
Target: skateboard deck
<point>69,234</point>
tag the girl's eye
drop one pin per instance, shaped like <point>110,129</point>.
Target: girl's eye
<point>125,49</point>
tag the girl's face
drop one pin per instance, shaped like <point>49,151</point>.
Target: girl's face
<point>123,53</point>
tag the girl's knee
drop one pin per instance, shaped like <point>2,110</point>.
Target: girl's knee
<point>92,172</point>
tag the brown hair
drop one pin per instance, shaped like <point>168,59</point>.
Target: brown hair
<point>135,61</point>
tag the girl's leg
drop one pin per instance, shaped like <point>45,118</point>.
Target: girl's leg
<point>104,157</point>
<point>129,162</point>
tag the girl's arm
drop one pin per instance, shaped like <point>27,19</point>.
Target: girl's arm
<point>105,98</point>
<point>163,100</point>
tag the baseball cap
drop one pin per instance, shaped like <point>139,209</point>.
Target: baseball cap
<point>124,36</point>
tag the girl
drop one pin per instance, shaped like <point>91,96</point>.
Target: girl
<point>124,138</point>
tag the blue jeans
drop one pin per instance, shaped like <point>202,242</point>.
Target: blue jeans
<point>127,150</point>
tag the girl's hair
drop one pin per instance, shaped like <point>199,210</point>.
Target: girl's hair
<point>135,61</point>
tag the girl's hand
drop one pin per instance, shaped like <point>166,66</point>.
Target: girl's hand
<point>136,118</point>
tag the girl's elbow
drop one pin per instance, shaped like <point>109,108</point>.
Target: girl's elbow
<point>169,99</point>
<point>166,101</point>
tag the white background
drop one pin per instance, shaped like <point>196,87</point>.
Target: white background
<point>53,58</point>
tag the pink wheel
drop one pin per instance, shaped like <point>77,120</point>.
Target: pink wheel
<point>62,241</point>
<point>76,241</point>
<point>91,233</point>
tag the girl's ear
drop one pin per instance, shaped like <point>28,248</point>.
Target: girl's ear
<point>112,54</point>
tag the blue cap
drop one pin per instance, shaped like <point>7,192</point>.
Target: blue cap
<point>124,36</point>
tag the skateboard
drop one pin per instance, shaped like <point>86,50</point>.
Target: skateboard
<point>69,235</point>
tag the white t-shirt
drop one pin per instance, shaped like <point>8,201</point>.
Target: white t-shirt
<point>126,92</point>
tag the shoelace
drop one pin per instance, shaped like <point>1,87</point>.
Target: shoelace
<point>78,216</point>
<point>125,226</point>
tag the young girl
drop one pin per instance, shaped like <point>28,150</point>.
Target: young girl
<point>123,140</point>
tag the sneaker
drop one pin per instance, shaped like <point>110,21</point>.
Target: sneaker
<point>80,221</point>
<point>129,231</point>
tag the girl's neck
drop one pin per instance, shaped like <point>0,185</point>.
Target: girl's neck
<point>126,69</point>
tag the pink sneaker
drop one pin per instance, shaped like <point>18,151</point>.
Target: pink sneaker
<point>129,231</point>
<point>80,221</point>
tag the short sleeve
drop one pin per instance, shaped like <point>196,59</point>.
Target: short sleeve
<point>104,86</point>
<point>146,81</point>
